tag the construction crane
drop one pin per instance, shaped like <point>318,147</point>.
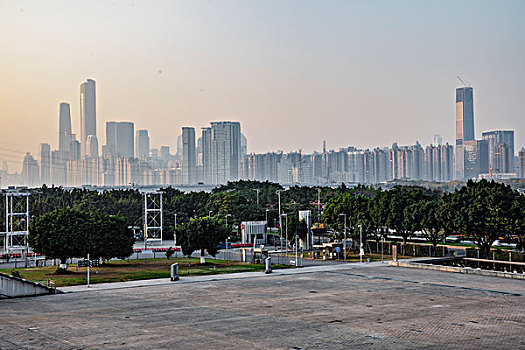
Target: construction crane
<point>461,80</point>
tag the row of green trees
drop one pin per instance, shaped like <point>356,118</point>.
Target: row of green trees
<point>71,233</point>
<point>483,211</point>
<point>239,199</point>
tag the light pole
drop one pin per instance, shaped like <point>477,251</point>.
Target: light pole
<point>361,243</point>
<point>344,242</point>
<point>318,206</point>
<point>286,223</point>
<point>175,236</point>
<point>257,190</point>
<point>209,213</point>
<point>227,255</point>
<point>280,221</point>
<point>267,225</point>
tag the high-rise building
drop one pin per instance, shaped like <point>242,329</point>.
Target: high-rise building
<point>476,158</point>
<point>142,144</point>
<point>189,157</point>
<point>65,135</point>
<point>165,153</point>
<point>521,163</point>
<point>58,168</point>
<point>30,173</point>
<point>501,150</point>
<point>206,155</point>
<point>88,113</point>
<point>92,147</point>
<point>225,151</point>
<point>45,163</point>
<point>438,141</point>
<point>120,139</point>
<point>464,127</point>
<point>244,145</point>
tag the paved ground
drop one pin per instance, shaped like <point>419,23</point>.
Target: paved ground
<point>332,307</point>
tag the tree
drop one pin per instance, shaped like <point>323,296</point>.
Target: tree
<point>378,210</point>
<point>401,202</point>
<point>201,233</point>
<point>70,233</point>
<point>426,217</point>
<point>355,207</point>
<point>61,234</point>
<point>109,237</point>
<point>483,211</point>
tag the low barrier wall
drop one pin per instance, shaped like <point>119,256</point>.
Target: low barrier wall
<point>13,287</point>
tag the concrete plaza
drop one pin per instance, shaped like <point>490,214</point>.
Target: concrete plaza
<point>368,306</point>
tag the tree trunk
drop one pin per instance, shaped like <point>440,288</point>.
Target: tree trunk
<point>434,249</point>
<point>203,259</point>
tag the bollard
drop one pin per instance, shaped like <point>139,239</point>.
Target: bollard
<point>175,272</point>
<point>268,265</point>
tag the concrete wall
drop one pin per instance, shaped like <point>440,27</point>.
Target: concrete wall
<point>13,287</point>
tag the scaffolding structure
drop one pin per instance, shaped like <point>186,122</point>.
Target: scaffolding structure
<point>152,218</point>
<point>16,222</point>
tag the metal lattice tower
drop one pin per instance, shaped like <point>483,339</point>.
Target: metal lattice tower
<point>152,217</point>
<point>16,221</point>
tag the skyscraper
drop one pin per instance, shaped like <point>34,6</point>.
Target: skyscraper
<point>92,146</point>
<point>45,163</point>
<point>225,151</point>
<point>120,139</point>
<point>30,173</point>
<point>206,155</point>
<point>521,163</point>
<point>125,139</point>
<point>501,150</point>
<point>464,126</point>
<point>189,157</point>
<point>88,113</point>
<point>142,144</point>
<point>65,135</point>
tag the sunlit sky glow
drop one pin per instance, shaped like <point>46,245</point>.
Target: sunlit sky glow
<point>356,73</point>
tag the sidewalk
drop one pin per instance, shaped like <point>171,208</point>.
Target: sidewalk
<point>219,277</point>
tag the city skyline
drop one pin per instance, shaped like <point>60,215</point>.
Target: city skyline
<point>327,83</point>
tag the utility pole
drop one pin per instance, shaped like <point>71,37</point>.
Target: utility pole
<point>280,221</point>
<point>227,255</point>
<point>344,242</point>
<point>361,252</point>
<point>318,206</point>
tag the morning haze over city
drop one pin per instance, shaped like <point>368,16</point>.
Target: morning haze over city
<point>353,76</point>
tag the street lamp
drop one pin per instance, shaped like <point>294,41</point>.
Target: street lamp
<point>361,252</point>
<point>267,225</point>
<point>280,220</point>
<point>175,236</point>
<point>286,222</point>
<point>227,255</point>
<point>318,206</point>
<point>209,213</point>
<point>344,242</point>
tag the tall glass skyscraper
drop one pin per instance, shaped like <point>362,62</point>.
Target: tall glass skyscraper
<point>464,126</point>
<point>88,114</point>
<point>65,135</point>
<point>189,158</point>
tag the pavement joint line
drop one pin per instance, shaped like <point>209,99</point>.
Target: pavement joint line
<point>428,283</point>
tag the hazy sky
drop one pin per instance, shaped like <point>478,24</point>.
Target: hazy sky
<point>361,73</point>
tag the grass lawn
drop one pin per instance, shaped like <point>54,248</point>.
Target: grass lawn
<point>141,269</point>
